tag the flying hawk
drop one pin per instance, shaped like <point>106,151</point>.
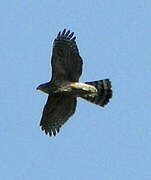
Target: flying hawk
<point>64,86</point>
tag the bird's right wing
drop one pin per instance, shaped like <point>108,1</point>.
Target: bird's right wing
<point>56,112</point>
<point>66,61</point>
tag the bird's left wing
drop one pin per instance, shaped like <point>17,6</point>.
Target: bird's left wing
<point>56,112</point>
<point>66,61</point>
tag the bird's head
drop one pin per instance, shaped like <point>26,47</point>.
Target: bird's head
<point>44,87</point>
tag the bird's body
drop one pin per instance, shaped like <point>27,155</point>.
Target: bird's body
<point>64,86</point>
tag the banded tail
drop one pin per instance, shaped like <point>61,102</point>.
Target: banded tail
<point>103,94</point>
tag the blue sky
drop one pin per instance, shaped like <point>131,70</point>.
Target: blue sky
<point>110,143</point>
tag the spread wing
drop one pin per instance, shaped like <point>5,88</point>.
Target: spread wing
<point>66,61</point>
<point>56,112</point>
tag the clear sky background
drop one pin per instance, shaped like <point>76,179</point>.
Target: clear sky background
<point>114,40</point>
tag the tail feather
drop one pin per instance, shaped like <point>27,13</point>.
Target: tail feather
<point>103,94</point>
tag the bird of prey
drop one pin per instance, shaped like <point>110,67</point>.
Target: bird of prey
<point>64,86</point>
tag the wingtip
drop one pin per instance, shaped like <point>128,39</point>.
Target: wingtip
<point>66,34</point>
<point>59,34</point>
<point>63,32</point>
<point>50,132</point>
<point>73,39</point>
<point>70,35</point>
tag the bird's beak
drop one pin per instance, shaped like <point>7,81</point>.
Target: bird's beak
<point>43,88</point>
<point>38,88</point>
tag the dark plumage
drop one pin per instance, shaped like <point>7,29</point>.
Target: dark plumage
<point>64,87</point>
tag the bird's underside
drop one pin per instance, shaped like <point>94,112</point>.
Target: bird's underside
<point>64,88</point>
